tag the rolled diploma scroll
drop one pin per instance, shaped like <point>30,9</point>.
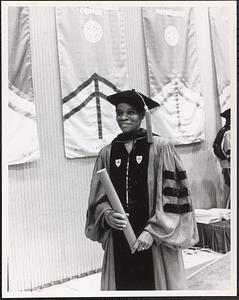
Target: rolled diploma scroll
<point>116,204</point>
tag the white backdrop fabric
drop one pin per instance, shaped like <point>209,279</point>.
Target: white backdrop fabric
<point>93,64</point>
<point>219,27</point>
<point>23,144</point>
<point>174,75</point>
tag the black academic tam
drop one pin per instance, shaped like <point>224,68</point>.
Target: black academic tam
<point>138,100</point>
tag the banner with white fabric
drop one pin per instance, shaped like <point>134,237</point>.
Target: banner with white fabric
<point>219,27</point>
<point>93,65</point>
<point>174,75</point>
<point>23,145</point>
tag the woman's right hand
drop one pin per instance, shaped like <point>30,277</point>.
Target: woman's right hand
<point>116,220</point>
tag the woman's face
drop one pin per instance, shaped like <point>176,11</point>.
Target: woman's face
<point>127,117</point>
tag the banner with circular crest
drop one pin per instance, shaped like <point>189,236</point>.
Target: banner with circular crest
<point>93,65</point>
<point>174,75</point>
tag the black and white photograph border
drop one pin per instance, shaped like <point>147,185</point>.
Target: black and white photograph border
<point>202,263</point>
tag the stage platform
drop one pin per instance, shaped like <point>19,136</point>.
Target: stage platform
<point>205,269</point>
<point>214,276</point>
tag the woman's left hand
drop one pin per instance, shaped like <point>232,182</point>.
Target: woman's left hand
<point>144,242</point>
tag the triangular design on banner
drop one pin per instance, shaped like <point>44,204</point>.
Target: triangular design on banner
<point>94,79</point>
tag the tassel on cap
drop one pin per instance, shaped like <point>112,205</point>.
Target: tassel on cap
<point>147,120</point>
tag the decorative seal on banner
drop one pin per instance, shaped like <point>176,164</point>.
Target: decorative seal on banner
<point>171,35</point>
<point>93,31</point>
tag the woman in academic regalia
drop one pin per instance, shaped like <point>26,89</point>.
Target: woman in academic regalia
<point>151,182</point>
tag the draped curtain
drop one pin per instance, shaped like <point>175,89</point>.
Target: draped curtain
<point>23,145</point>
<point>93,64</point>
<point>174,77</point>
<point>219,27</point>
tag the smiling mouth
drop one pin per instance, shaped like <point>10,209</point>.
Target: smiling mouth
<point>125,124</point>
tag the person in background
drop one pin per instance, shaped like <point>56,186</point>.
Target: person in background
<point>151,182</point>
<point>222,149</point>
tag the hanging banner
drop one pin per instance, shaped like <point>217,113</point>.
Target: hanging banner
<point>174,76</point>
<point>93,65</point>
<point>219,27</point>
<point>23,145</point>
